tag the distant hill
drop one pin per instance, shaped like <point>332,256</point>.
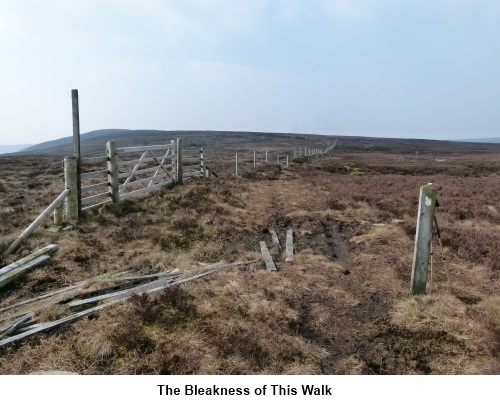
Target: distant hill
<point>68,140</point>
<point>13,148</point>
<point>481,140</point>
<point>94,143</point>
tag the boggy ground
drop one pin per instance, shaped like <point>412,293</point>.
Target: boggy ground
<point>342,306</point>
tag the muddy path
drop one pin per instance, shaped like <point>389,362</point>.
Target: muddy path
<point>349,277</point>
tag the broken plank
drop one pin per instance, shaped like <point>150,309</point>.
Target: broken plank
<point>7,330</point>
<point>267,257</point>
<point>276,241</point>
<point>24,260</point>
<point>158,284</point>
<point>50,325</point>
<point>289,246</point>
<point>78,286</point>
<point>163,274</point>
<point>22,270</point>
<point>34,329</point>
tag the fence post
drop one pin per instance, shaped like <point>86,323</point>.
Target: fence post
<point>286,160</point>
<point>300,151</point>
<point>71,183</point>
<point>76,146</point>
<point>266,156</point>
<point>178,161</point>
<point>423,238</point>
<point>58,216</point>
<point>236,164</point>
<point>204,171</point>
<point>278,159</point>
<point>254,160</point>
<point>112,166</point>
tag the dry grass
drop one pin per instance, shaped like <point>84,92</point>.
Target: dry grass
<point>342,306</point>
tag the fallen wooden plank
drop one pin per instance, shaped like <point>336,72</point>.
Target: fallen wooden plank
<point>128,283</point>
<point>24,260</point>
<point>7,330</point>
<point>22,270</point>
<point>276,241</point>
<point>289,246</point>
<point>158,284</point>
<point>34,329</point>
<point>50,325</point>
<point>267,257</point>
<point>78,286</point>
<point>174,273</point>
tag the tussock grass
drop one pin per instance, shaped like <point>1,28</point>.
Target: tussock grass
<point>342,306</point>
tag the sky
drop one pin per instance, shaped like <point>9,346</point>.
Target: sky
<point>392,68</point>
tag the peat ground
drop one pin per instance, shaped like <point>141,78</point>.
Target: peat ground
<point>342,306</point>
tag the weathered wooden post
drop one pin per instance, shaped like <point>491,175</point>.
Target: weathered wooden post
<point>112,166</point>
<point>254,161</point>
<point>71,183</point>
<point>423,239</point>
<point>178,161</point>
<point>58,216</point>
<point>204,171</point>
<point>278,159</point>
<point>289,246</point>
<point>76,147</point>
<point>236,164</point>
<point>286,160</point>
<point>266,156</point>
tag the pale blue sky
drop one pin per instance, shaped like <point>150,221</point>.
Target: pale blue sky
<point>396,68</point>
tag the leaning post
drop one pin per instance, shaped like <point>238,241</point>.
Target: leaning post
<point>423,239</point>
<point>112,166</point>
<point>71,183</point>
<point>178,161</point>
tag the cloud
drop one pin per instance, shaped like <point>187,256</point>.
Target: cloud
<point>361,10</point>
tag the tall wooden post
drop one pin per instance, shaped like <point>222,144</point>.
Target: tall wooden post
<point>300,151</point>
<point>254,160</point>
<point>266,156</point>
<point>236,164</point>
<point>76,145</point>
<point>71,183</point>
<point>286,160</point>
<point>423,239</point>
<point>178,161</point>
<point>278,160</point>
<point>112,166</point>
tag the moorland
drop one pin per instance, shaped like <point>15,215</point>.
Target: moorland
<point>341,307</point>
